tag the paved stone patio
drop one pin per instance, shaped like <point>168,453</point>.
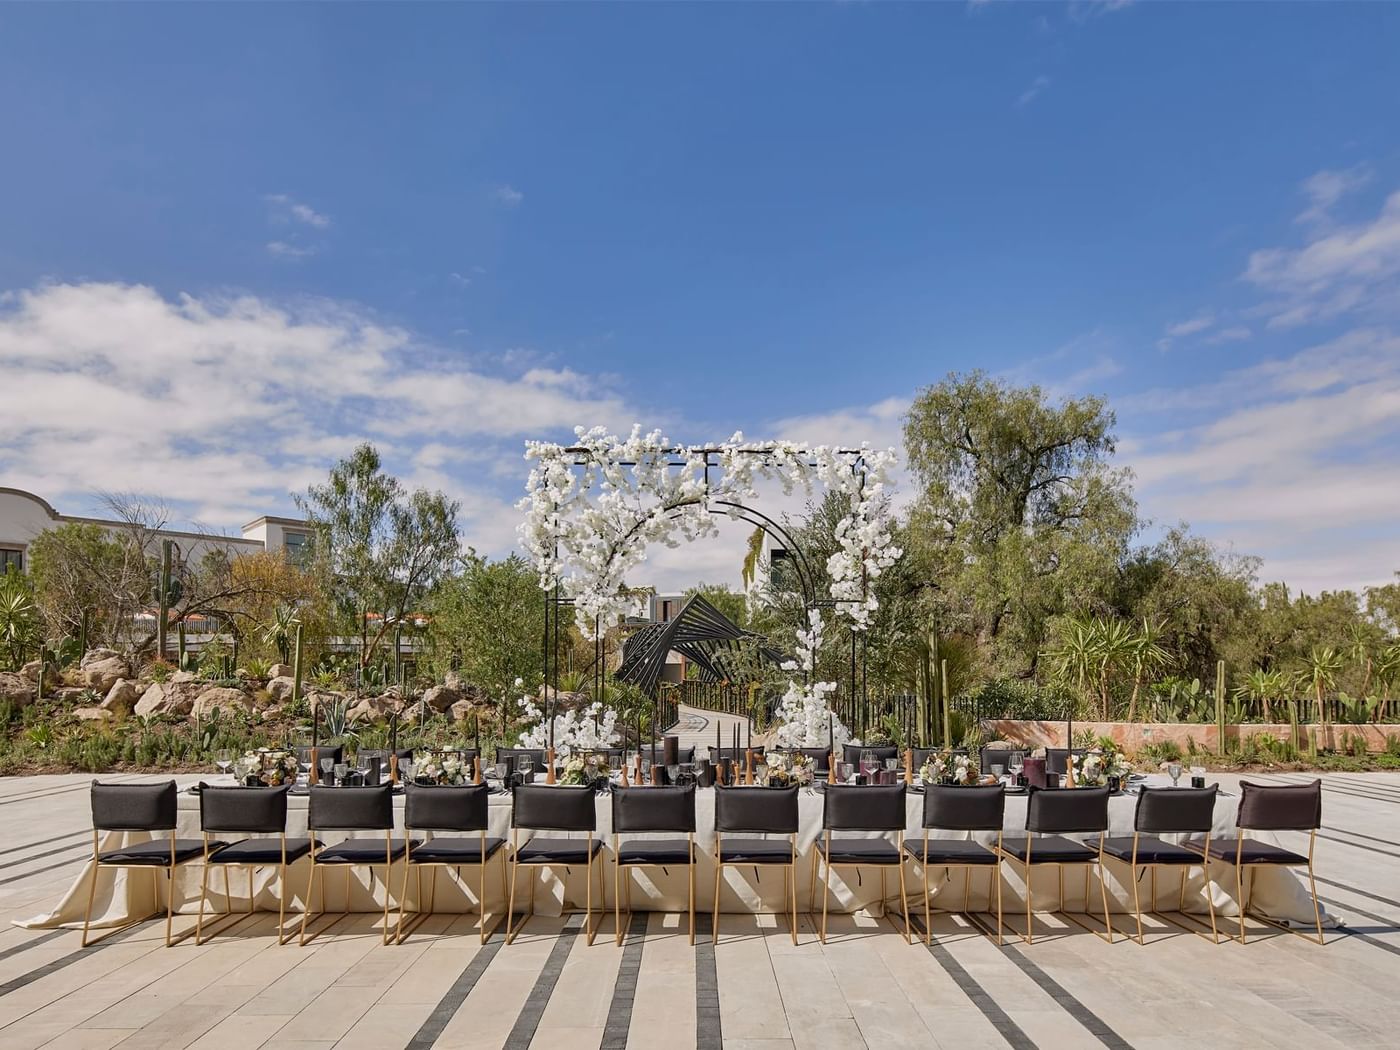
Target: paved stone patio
<point>755,990</point>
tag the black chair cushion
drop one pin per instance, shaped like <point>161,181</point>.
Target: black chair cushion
<point>755,851</point>
<point>1150,850</point>
<point>155,853</point>
<point>557,851</point>
<point>950,851</point>
<point>860,851</point>
<point>465,849</point>
<point>1051,849</point>
<point>655,851</point>
<point>261,851</point>
<point>360,851</point>
<point>1252,851</point>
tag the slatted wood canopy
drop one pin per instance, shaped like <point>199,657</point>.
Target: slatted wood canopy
<point>700,633</point>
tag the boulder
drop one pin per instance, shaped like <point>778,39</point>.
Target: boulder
<point>453,680</point>
<point>220,698</point>
<point>441,697</point>
<point>97,655</point>
<point>180,677</point>
<point>93,714</point>
<point>281,671</point>
<point>69,694</point>
<point>169,698</point>
<point>370,709</point>
<point>464,709</point>
<point>104,673</point>
<point>280,688</point>
<point>16,689</point>
<point>52,677</point>
<point>121,698</point>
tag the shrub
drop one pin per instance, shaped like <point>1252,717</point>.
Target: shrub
<point>1160,751</point>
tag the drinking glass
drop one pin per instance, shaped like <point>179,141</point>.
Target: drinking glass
<point>341,768</point>
<point>1018,763</point>
<point>646,770</point>
<point>1198,776</point>
<point>524,765</point>
<point>891,764</point>
<point>406,769</point>
<point>1174,771</point>
<point>868,762</point>
<point>327,764</point>
<point>223,759</point>
<point>844,772</point>
<point>673,773</point>
<point>997,770</point>
<point>502,770</point>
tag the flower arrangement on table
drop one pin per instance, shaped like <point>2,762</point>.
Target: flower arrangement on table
<point>575,731</point>
<point>269,766</point>
<point>786,769</point>
<point>587,768</point>
<point>945,766</point>
<point>447,768</point>
<point>1096,767</point>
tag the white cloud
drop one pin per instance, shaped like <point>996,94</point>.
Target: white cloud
<point>284,250</point>
<point>1038,85</point>
<point>1326,188</point>
<point>1191,326</point>
<point>287,209</point>
<point>1233,334</point>
<point>233,402</point>
<point>508,195</point>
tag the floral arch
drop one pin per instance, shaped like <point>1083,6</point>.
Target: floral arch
<point>593,507</point>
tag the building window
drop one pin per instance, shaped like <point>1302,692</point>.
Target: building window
<point>10,556</point>
<point>297,546</point>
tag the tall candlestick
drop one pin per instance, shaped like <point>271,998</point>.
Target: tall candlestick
<point>315,725</point>
<point>394,732</point>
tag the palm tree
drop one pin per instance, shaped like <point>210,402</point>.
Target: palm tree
<point>1387,668</point>
<point>1147,654</point>
<point>1113,647</point>
<point>279,631</point>
<point>1324,664</point>
<point>1073,659</point>
<point>1260,686</point>
<point>1358,647</point>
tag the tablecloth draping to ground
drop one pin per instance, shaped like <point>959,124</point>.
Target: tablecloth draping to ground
<point>125,894</point>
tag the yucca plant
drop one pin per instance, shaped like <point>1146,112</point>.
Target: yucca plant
<point>1324,664</point>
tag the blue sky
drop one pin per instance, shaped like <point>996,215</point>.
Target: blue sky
<point>236,239</point>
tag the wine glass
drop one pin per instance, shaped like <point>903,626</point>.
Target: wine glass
<point>1018,763</point>
<point>524,765</point>
<point>223,758</point>
<point>327,765</point>
<point>406,769</point>
<point>844,772</point>
<point>341,768</point>
<point>868,762</point>
<point>1174,771</point>
<point>646,769</point>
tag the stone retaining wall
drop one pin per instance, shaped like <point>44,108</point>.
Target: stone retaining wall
<point>1133,735</point>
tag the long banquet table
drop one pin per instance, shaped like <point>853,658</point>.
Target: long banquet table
<point>124,895</point>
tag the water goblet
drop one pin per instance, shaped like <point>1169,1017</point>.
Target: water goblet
<point>1174,771</point>
<point>341,768</point>
<point>327,765</point>
<point>223,759</point>
<point>524,765</point>
<point>844,772</point>
<point>997,770</point>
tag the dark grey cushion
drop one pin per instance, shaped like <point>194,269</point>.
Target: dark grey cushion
<point>465,849</point>
<point>155,853</point>
<point>1150,850</point>
<point>655,851</point>
<point>360,851</point>
<point>756,851</point>
<point>541,850</point>
<point>1052,849</point>
<point>860,851</point>
<point>950,851</point>
<point>261,851</point>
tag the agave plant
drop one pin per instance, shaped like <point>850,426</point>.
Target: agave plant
<point>19,619</point>
<point>279,631</point>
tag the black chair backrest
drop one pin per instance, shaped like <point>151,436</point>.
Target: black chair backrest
<point>351,808</point>
<point>614,755</point>
<point>251,810</point>
<point>658,753</point>
<point>653,809</point>
<point>510,754</point>
<point>1281,807</point>
<point>874,808</point>
<point>405,754</point>
<point>851,752</point>
<point>756,810</point>
<point>447,807</point>
<point>133,807</point>
<point>965,808</point>
<point>335,752</point>
<point>998,756</point>
<point>1165,810</point>
<point>542,807</point>
<point>1057,758</point>
<point>1059,812</point>
<point>739,756</point>
<point>819,757</point>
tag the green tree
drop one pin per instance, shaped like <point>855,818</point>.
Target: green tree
<point>20,631</point>
<point>380,547</point>
<point>1148,657</point>
<point>1020,516</point>
<point>89,582</point>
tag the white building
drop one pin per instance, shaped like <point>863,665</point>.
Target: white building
<point>24,515</point>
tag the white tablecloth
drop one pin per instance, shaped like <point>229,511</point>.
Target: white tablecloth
<point>127,894</point>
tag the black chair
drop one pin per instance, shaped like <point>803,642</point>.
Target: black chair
<point>540,807</point>
<point>351,809</point>
<point>998,756</point>
<point>453,809</point>
<point>247,811</point>
<point>148,808</point>
<point>657,754</point>
<point>850,808</point>
<point>1057,758</point>
<point>650,810</point>
<point>966,809</point>
<point>1168,811</point>
<point>756,811</point>
<point>1055,814</point>
<point>1281,807</point>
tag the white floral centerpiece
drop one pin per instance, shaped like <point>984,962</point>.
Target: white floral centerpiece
<point>273,766</point>
<point>447,768</point>
<point>1096,767</point>
<point>788,768</point>
<point>592,509</point>
<point>944,765</point>
<point>590,729</point>
<point>586,768</point>
<point>803,717</point>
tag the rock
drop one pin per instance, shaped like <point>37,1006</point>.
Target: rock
<point>166,699</point>
<point>220,698</point>
<point>104,673</point>
<point>68,694</point>
<point>16,689</point>
<point>93,714</point>
<point>280,688</point>
<point>453,680</point>
<point>370,709</point>
<point>52,677</point>
<point>121,698</point>
<point>281,671</point>
<point>464,709</point>
<point>97,655</point>
<point>179,677</point>
<point>441,697</point>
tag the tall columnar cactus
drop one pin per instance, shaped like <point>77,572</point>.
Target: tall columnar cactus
<point>1220,706</point>
<point>1293,726</point>
<point>296,668</point>
<point>163,598</point>
<point>180,628</point>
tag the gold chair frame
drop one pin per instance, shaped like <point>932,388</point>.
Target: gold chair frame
<point>789,885</point>
<point>419,915</point>
<point>591,930</point>
<point>1241,884</point>
<point>316,849</point>
<point>155,870</point>
<point>1026,865</point>
<point>995,879</point>
<point>618,868</point>
<point>817,854</point>
<point>1181,897</point>
<point>282,936</point>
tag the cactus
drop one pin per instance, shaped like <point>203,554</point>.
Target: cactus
<point>947,708</point>
<point>184,656</point>
<point>1293,725</point>
<point>296,668</point>
<point>1220,707</point>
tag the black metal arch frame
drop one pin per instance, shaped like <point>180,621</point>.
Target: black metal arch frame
<point>556,601</point>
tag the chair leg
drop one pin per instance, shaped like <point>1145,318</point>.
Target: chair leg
<point>714,918</point>
<point>1239,890</point>
<point>169,901</point>
<point>602,897</point>
<point>904,901</point>
<point>1030,920</point>
<point>199,921</point>
<point>1210,897</point>
<point>826,895</point>
<point>692,899</point>
<point>92,892</point>
<point>928,912</point>
<point>792,890</point>
<point>1317,908</point>
<point>510,905</point>
<point>281,903</point>
<point>1137,906</point>
<point>306,907</point>
<point>617,903</point>
<point>588,901</point>
<point>812,885</point>
<point>401,932</point>
<point>996,874</point>
<point>1103,892</point>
